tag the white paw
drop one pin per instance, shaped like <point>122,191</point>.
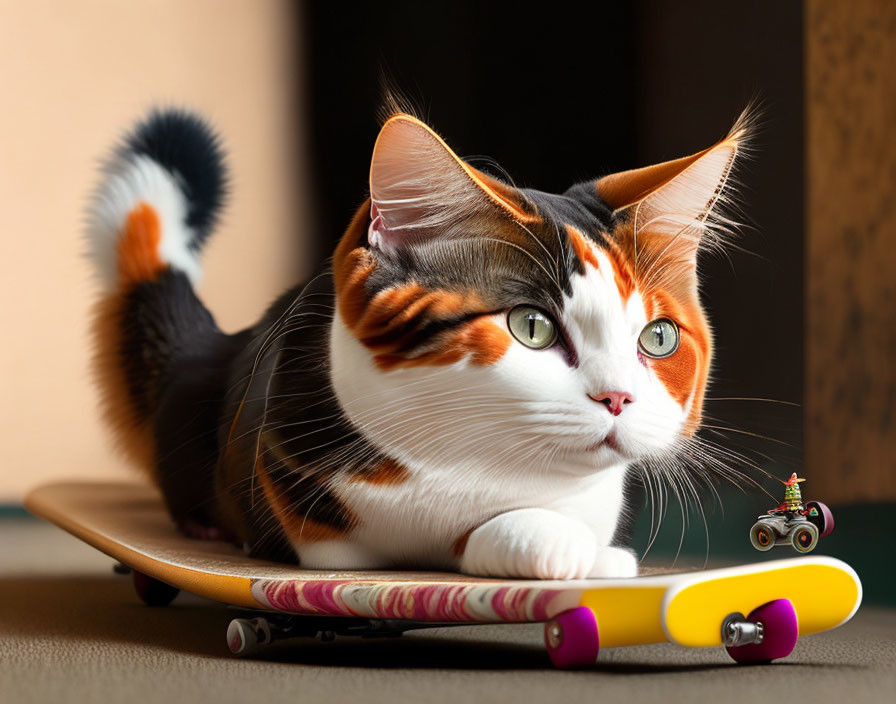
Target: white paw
<point>614,562</point>
<point>531,542</point>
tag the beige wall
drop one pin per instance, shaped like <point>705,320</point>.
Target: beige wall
<point>73,75</point>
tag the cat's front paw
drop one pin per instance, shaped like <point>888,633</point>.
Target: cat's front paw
<point>615,563</point>
<point>534,543</point>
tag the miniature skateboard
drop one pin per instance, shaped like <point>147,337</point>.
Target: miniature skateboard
<point>782,599</point>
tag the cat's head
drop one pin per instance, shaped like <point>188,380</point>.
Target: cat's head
<point>493,326</point>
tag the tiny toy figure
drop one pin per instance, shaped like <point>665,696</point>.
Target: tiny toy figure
<point>791,522</point>
<point>793,498</point>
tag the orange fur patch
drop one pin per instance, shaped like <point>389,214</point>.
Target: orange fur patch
<point>584,252</point>
<point>297,527</point>
<point>351,289</point>
<point>133,435</point>
<point>684,373</point>
<point>485,341</point>
<point>138,248</point>
<point>389,322</point>
<point>352,265</point>
<point>623,273</point>
<point>389,319</point>
<point>387,472</point>
<point>138,262</point>
<point>622,269</point>
<point>480,341</point>
<point>460,545</point>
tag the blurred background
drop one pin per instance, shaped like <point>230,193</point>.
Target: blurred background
<point>802,304</point>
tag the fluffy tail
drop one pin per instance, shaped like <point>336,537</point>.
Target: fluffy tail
<point>158,200</point>
<point>156,205</point>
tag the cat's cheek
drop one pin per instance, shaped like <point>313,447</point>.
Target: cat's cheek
<point>535,375</point>
<point>652,425</point>
<point>684,374</point>
<point>678,372</point>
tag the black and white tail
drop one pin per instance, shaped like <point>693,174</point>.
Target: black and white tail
<point>156,205</point>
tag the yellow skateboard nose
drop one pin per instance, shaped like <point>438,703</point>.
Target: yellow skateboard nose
<point>824,592</point>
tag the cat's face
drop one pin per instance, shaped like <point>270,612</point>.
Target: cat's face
<point>497,329</point>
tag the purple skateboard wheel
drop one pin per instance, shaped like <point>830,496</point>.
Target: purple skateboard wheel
<point>572,638</point>
<point>152,591</point>
<point>824,521</point>
<point>780,630</point>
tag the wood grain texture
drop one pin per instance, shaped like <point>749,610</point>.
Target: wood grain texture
<point>851,249</point>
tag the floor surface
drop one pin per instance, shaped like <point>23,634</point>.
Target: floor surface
<point>72,631</point>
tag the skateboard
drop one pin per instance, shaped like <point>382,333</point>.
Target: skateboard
<point>756,611</point>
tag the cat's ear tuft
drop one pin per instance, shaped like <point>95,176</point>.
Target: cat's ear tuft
<point>677,204</point>
<point>675,209</point>
<point>420,189</point>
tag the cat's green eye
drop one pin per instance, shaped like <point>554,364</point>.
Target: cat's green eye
<point>659,338</point>
<point>533,327</point>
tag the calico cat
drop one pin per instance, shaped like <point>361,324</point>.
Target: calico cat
<point>466,385</point>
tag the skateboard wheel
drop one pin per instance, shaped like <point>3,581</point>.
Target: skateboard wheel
<point>241,637</point>
<point>762,537</point>
<point>780,630</point>
<point>572,638</point>
<point>247,636</point>
<point>153,592</point>
<point>804,538</point>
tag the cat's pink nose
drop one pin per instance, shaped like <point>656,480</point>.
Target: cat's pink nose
<point>615,401</point>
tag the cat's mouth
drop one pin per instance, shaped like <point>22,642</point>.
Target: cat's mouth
<point>609,441</point>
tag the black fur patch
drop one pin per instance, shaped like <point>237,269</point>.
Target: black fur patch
<point>634,500</point>
<point>160,319</point>
<point>176,361</point>
<point>305,491</point>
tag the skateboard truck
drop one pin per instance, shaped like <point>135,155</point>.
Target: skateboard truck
<point>247,636</point>
<point>738,631</point>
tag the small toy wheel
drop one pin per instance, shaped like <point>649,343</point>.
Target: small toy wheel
<point>241,637</point>
<point>762,536</point>
<point>780,630</point>
<point>804,537</point>
<point>247,636</point>
<point>572,638</point>
<point>153,592</point>
<point>823,520</point>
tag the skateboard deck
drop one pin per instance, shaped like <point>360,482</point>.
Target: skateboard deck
<point>783,598</point>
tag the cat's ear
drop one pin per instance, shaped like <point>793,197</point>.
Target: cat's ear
<point>420,189</point>
<point>674,206</point>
